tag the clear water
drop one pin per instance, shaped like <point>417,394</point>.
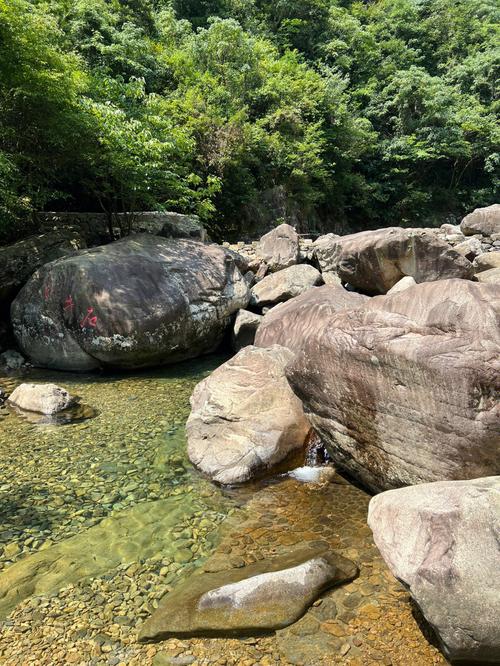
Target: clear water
<point>59,479</point>
<point>101,516</point>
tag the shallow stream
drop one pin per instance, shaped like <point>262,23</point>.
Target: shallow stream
<point>101,516</point>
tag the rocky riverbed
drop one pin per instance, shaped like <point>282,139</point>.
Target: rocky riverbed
<point>101,517</point>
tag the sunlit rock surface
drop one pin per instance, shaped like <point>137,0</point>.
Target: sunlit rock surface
<point>404,390</point>
<point>374,261</point>
<point>485,221</point>
<point>290,324</point>
<point>244,416</point>
<point>285,284</point>
<point>41,398</point>
<point>442,541</point>
<point>279,248</point>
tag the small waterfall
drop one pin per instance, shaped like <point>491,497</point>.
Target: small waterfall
<point>316,468</point>
<point>316,454</point>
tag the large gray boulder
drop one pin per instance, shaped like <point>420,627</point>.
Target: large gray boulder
<point>244,417</point>
<point>138,302</point>
<point>267,595</point>
<point>279,248</point>
<point>41,398</point>
<point>484,221</point>
<point>288,283</point>
<point>290,324</point>
<point>442,541</point>
<point>20,260</point>
<point>374,261</point>
<point>403,390</point>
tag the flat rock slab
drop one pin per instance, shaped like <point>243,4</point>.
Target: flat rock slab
<point>266,595</point>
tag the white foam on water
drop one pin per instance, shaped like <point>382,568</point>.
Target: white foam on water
<point>307,474</point>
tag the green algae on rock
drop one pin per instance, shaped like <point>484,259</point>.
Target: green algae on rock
<point>259,597</point>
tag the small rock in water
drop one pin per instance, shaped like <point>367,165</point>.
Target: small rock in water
<point>183,555</point>
<point>266,595</point>
<point>41,398</point>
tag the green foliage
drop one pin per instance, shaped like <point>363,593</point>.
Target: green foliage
<point>371,113</point>
<point>258,117</point>
<point>40,85</point>
<point>422,73</point>
<point>141,158</point>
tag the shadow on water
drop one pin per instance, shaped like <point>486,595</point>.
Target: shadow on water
<point>189,369</point>
<point>75,414</point>
<point>19,511</point>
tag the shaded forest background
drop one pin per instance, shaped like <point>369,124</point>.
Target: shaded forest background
<point>327,111</point>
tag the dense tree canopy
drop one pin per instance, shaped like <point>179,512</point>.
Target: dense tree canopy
<point>323,111</point>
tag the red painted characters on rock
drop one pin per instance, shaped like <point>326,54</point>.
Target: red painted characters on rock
<point>90,319</point>
<point>68,303</point>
